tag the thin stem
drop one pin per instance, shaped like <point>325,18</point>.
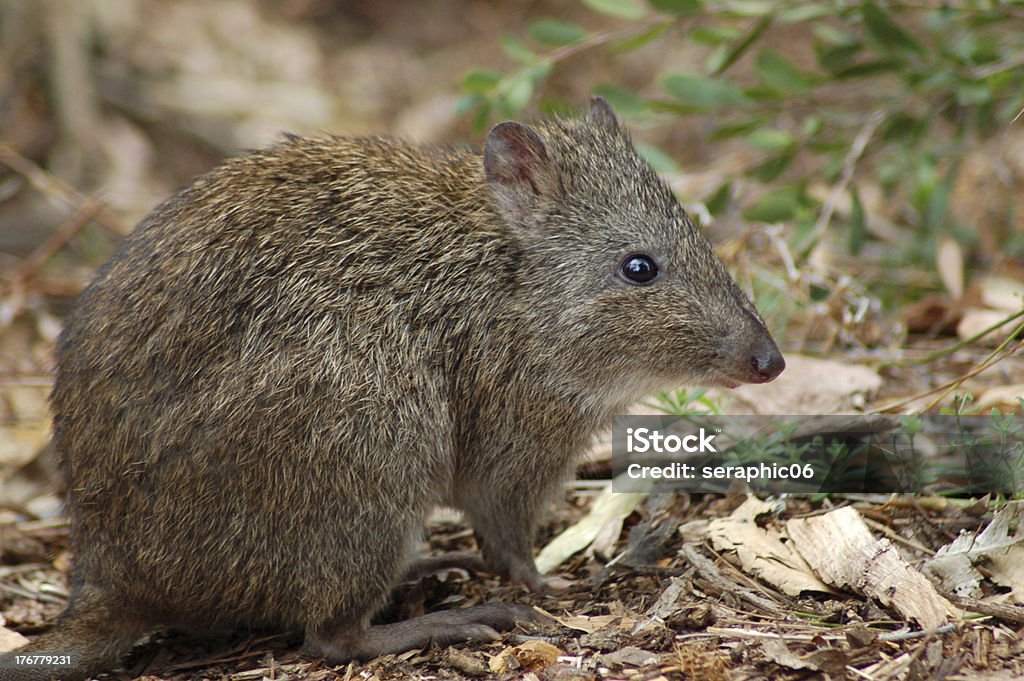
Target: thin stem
<point>944,352</point>
<point>860,142</point>
<point>985,364</point>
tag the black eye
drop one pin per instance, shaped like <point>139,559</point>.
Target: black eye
<point>639,269</point>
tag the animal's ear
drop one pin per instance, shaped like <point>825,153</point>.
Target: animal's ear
<point>519,170</point>
<point>601,114</point>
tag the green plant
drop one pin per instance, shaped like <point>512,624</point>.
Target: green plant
<point>889,94</point>
<point>685,402</point>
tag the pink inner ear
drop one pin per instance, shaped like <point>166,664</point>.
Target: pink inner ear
<point>515,154</point>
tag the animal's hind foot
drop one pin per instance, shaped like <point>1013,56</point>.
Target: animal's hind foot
<point>478,623</point>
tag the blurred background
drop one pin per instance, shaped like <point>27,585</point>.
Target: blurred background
<point>859,165</point>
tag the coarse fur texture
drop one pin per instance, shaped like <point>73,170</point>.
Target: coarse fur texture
<point>286,366</point>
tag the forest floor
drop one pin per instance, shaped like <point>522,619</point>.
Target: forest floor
<point>683,585</point>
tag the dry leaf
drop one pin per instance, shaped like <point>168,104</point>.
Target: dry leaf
<point>630,656</point>
<point>667,603</point>
<point>609,510</point>
<point>934,313</point>
<point>465,663</point>
<point>1001,396</point>
<point>21,442</point>
<point>24,415</point>
<point>996,547</point>
<point>778,652</point>
<point>762,552</point>
<point>976,320</point>
<point>9,640</point>
<point>801,389</point>
<point>1002,293</point>
<point>823,659</point>
<point>587,624</point>
<point>949,259</point>
<point>529,656</point>
<point>842,551</point>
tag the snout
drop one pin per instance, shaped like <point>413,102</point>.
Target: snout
<point>765,362</point>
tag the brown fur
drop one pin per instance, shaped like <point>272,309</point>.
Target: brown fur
<point>288,364</point>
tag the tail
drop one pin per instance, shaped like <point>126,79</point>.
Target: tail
<point>90,637</point>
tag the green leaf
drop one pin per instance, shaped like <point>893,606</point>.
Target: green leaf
<point>748,8</point>
<point>938,81</point>
<point>858,225</point>
<point>622,100</point>
<point>678,7</point>
<point>936,213</point>
<point>517,96</point>
<point>517,89</point>
<point>770,139</point>
<point>869,68</point>
<point>555,32</point>
<point>482,116</point>
<point>818,293</point>
<point>704,93</point>
<point>736,128</point>
<point>810,126</point>
<point>972,94</point>
<point>836,59</point>
<point>641,39</point>
<point>903,128</point>
<point>777,72</point>
<point>719,201</point>
<point>832,169</point>
<point>832,35</point>
<point>480,81</point>
<point>804,12</point>
<point>517,50</point>
<point>659,160</point>
<point>713,35</point>
<point>468,102</point>
<point>623,9</point>
<point>887,32</point>
<point>777,207</point>
<point>760,93</point>
<point>773,167</point>
<point>732,56</point>
<point>555,106</point>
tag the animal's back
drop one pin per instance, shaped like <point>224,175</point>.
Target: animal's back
<point>219,381</point>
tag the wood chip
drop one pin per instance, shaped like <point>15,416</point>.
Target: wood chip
<point>762,552</point>
<point>842,551</point>
<point>710,572</point>
<point>530,656</point>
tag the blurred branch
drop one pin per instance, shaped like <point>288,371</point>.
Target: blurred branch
<point>993,358</point>
<point>71,83</point>
<point>72,226</point>
<point>60,190</point>
<point>860,142</point>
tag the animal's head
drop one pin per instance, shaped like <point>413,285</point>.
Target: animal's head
<point>613,264</point>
